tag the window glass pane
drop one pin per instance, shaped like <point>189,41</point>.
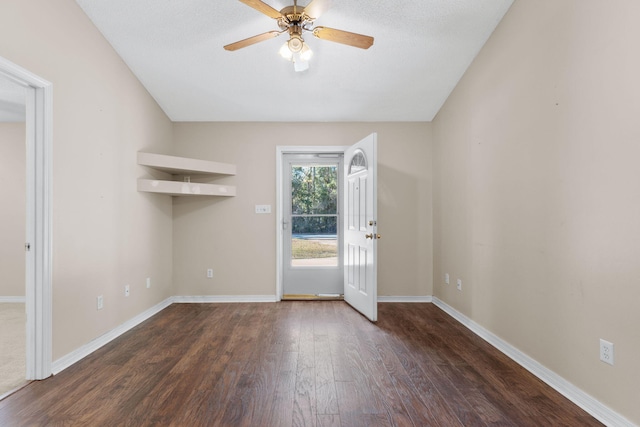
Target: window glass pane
<point>314,190</point>
<point>313,225</point>
<point>314,241</point>
<point>314,219</point>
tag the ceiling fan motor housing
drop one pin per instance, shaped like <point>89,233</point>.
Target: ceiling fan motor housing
<point>295,15</point>
<point>295,43</point>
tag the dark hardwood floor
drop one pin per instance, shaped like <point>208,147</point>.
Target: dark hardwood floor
<point>293,364</point>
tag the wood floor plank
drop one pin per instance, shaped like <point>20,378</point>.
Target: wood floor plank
<point>304,401</point>
<point>352,401</point>
<point>357,372</point>
<point>427,390</point>
<point>281,411</point>
<point>419,413</point>
<point>294,364</point>
<point>328,420</point>
<point>388,395</point>
<point>327,401</point>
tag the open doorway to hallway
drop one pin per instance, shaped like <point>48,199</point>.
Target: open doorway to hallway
<point>36,243</point>
<point>13,357</point>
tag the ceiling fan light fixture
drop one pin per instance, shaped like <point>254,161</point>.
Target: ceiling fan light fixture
<point>285,52</point>
<point>306,53</point>
<point>295,44</point>
<point>300,66</point>
<point>300,57</point>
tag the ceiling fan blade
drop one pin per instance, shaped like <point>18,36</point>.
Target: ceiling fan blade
<point>263,7</point>
<point>252,40</point>
<point>344,37</point>
<point>317,8</point>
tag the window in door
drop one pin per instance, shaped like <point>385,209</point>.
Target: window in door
<point>314,215</point>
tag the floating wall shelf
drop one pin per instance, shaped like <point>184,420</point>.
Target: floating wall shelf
<point>182,166</point>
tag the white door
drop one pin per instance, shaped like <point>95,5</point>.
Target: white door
<point>360,227</point>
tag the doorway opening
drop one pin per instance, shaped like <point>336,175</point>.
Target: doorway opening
<point>38,299</point>
<point>312,227</point>
<point>309,224</point>
<point>13,356</point>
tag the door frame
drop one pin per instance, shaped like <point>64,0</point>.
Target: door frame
<point>280,152</point>
<point>39,139</point>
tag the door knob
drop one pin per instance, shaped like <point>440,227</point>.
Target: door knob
<point>369,236</point>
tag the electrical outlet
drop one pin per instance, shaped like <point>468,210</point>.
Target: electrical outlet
<point>459,284</point>
<point>209,273</point>
<point>446,278</point>
<point>606,351</point>
<point>126,290</point>
<point>100,302</point>
<point>148,282</point>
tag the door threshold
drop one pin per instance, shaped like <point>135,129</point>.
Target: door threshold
<point>312,297</point>
<point>14,390</point>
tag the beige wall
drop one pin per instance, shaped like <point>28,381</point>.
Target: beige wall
<point>13,211</point>
<point>105,234</point>
<point>537,191</point>
<point>226,234</point>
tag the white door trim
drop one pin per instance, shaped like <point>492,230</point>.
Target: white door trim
<point>280,151</point>
<point>39,125</point>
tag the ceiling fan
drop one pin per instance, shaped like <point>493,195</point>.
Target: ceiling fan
<point>296,20</point>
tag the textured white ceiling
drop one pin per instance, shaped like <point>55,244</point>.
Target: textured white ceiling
<point>175,47</point>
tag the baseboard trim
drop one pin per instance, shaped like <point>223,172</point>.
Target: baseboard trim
<point>82,352</point>
<point>224,298</point>
<point>405,299</point>
<point>598,410</point>
<point>14,300</point>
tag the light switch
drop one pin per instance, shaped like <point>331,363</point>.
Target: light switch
<point>263,209</point>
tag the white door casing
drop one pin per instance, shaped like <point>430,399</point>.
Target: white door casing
<point>360,227</point>
<point>39,108</point>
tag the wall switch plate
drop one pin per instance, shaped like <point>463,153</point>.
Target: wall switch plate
<point>148,282</point>
<point>100,302</point>
<point>209,273</point>
<point>126,290</point>
<point>606,351</point>
<point>446,278</point>
<point>263,209</point>
<point>459,284</point>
